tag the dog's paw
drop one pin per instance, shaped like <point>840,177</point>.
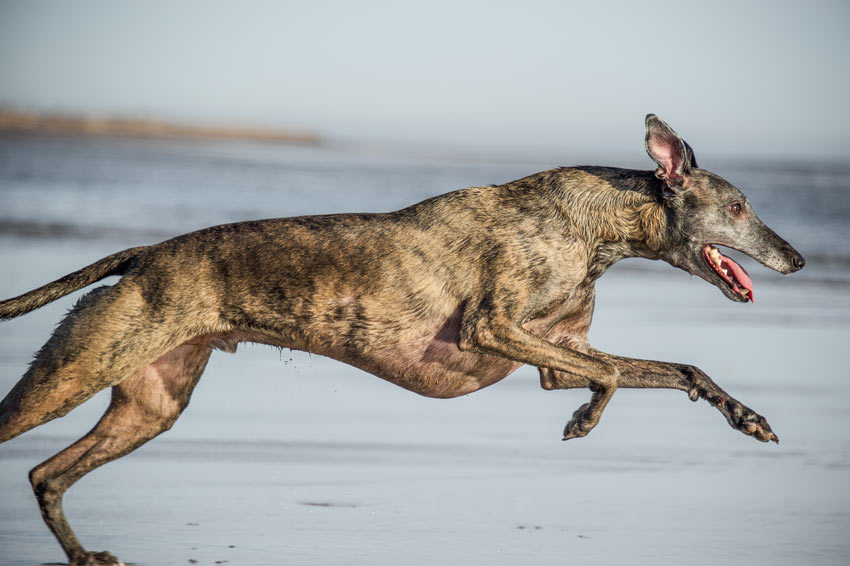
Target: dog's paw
<point>96,559</point>
<point>746,420</point>
<point>581,423</point>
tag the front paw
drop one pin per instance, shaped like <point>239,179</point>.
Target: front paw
<point>739,417</point>
<point>581,423</point>
<point>744,419</point>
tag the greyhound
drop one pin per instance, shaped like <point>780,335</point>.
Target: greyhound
<point>443,298</point>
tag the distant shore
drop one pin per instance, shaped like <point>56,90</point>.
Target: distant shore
<point>14,121</point>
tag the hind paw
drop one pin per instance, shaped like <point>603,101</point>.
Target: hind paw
<point>96,559</point>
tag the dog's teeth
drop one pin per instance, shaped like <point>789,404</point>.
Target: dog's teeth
<point>725,271</point>
<point>714,255</point>
<point>745,292</point>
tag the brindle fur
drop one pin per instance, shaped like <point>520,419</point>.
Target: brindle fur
<point>442,298</point>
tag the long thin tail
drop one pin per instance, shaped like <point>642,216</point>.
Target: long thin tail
<point>115,264</point>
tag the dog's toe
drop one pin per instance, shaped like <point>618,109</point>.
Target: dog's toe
<point>746,420</point>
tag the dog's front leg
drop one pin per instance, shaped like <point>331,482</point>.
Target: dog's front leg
<point>641,374</point>
<point>500,336</point>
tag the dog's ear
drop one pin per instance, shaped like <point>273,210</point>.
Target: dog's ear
<point>674,156</point>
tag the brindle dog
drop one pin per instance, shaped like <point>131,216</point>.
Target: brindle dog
<point>442,298</point>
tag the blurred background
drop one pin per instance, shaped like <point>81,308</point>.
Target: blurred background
<point>124,124</point>
<point>761,78</point>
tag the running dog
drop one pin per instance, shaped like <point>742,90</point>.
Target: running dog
<point>442,298</point>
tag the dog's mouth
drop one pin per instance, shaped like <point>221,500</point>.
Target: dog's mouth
<point>733,275</point>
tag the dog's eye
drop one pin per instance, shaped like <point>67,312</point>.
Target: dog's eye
<point>735,208</point>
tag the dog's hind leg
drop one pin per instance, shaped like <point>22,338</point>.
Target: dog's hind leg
<point>110,334</point>
<point>143,406</point>
<point>66,371</point>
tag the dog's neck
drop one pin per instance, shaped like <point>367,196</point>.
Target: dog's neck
<point>617,213</point>
<point>639,230</point>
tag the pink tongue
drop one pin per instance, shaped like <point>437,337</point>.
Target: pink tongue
<point>738,274</point>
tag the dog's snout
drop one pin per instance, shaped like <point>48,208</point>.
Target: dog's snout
<point>795,259</point>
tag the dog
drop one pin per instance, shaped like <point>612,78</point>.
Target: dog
<point>443,298</point>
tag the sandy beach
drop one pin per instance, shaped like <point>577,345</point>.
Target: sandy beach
<point>283,457</point>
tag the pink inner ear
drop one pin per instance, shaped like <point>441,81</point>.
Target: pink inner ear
<point>662,152</point>
<point>665,154</point>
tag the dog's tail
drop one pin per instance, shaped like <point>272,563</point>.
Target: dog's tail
<point>115,264</point>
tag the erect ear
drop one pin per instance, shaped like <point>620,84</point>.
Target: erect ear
<point>674,156</point>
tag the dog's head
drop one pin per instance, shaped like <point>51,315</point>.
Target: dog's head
<point>704,212</point>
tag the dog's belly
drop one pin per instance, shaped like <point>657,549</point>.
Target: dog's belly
<point>424,357</point>
<point>435,368</point>
<point>427,363</point>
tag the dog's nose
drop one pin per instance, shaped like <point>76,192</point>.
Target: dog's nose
<point>798,262</point>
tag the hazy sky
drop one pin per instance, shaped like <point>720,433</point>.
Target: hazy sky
<point>755,77</point>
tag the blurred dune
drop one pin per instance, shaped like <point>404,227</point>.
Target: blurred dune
<point>15,121</point>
